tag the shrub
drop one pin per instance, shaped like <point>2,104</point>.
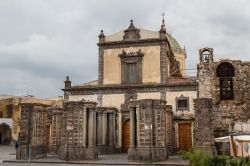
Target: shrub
<point>216,161</point>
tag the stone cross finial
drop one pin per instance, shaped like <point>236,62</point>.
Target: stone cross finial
<point>163,19</point>
<point>101,37</point>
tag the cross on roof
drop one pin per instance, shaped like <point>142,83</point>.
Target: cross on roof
<point>163,19</point>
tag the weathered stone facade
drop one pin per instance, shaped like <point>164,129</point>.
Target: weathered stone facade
<point>203,133</point>
<point>227,84</point>
<point>33,134</point>
<point>56,138</point>
<point>79,139</point>
<point>151,130</point>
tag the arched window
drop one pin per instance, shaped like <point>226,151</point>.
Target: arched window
<point>225,72</point>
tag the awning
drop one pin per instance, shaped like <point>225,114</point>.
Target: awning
<point>222,139</point>
<point>236,138</point>
<point>242,138</point>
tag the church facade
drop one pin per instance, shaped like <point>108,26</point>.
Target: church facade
<point>137,64</point>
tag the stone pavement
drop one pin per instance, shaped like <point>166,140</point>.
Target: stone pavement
<point>7,153</point>
<point>8,158</point>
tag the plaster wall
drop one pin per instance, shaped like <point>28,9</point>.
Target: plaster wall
<point>113,100</point>
<point>150,64</point>
<point>171,100</point>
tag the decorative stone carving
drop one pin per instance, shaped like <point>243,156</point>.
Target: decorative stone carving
<point>132,33</point>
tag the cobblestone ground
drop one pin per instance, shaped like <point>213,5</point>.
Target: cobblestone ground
<point>8,153</point>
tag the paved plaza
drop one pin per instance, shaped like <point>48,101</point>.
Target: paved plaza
<point>7,158</point>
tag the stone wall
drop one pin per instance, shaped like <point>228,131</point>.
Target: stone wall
<point>79,128</point>
<point>150,130</point>
<point>33,132</point>
<point>224,111</point>
<point>56,137</point>
<point>203,133</point>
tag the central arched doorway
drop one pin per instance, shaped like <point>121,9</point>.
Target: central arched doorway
<point>126,136</point>
<point>5,134</point>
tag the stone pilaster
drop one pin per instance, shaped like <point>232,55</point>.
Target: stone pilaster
<point>150,120</point>
<point>104,128</point>
<point>203,130</point>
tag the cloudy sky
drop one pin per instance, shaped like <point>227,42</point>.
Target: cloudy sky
<point>43,41</point>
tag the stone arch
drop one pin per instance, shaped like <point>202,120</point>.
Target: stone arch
<point>5,134</point>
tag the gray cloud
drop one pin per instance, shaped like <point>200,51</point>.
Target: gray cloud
<point>43,41</point>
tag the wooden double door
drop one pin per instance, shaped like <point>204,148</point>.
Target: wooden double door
<point>185,136</point>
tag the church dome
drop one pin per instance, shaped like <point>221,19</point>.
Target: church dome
<point>174,44</point>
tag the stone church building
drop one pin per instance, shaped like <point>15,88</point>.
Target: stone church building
<point>143,102</point>
<point>146,67</point>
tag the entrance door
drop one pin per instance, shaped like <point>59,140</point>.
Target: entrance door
<point>126,136</point>
<point>185,136</point>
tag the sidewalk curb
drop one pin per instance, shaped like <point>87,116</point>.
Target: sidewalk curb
<point>89,163</point>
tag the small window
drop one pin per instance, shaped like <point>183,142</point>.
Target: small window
<point>182,103</point>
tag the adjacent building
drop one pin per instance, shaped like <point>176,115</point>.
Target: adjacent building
<point>10,115</point>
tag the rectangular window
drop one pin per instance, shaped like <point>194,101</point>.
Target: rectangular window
<point>131,73</point>
<point>182,103</point>
<point>226,89</point>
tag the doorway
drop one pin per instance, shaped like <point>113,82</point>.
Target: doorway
<point>126,136</point>
<point>185,136</point>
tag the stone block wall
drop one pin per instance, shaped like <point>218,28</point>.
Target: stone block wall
<point>151,130</point>
<point>203,132</point>
<point>32,132</point>
<point>57,134</point>
<point>224,111</point>
<point>79,128</point>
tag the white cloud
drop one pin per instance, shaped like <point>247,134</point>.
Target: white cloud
<point>43,41</point>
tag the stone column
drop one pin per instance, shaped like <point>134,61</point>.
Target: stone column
<point>111,129</point>
<point>92,127</point>
<point>104,128</point>
<point>132,127</point>
<point>84,126</point>
<point>119,129</point>
<point>99,129</point>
